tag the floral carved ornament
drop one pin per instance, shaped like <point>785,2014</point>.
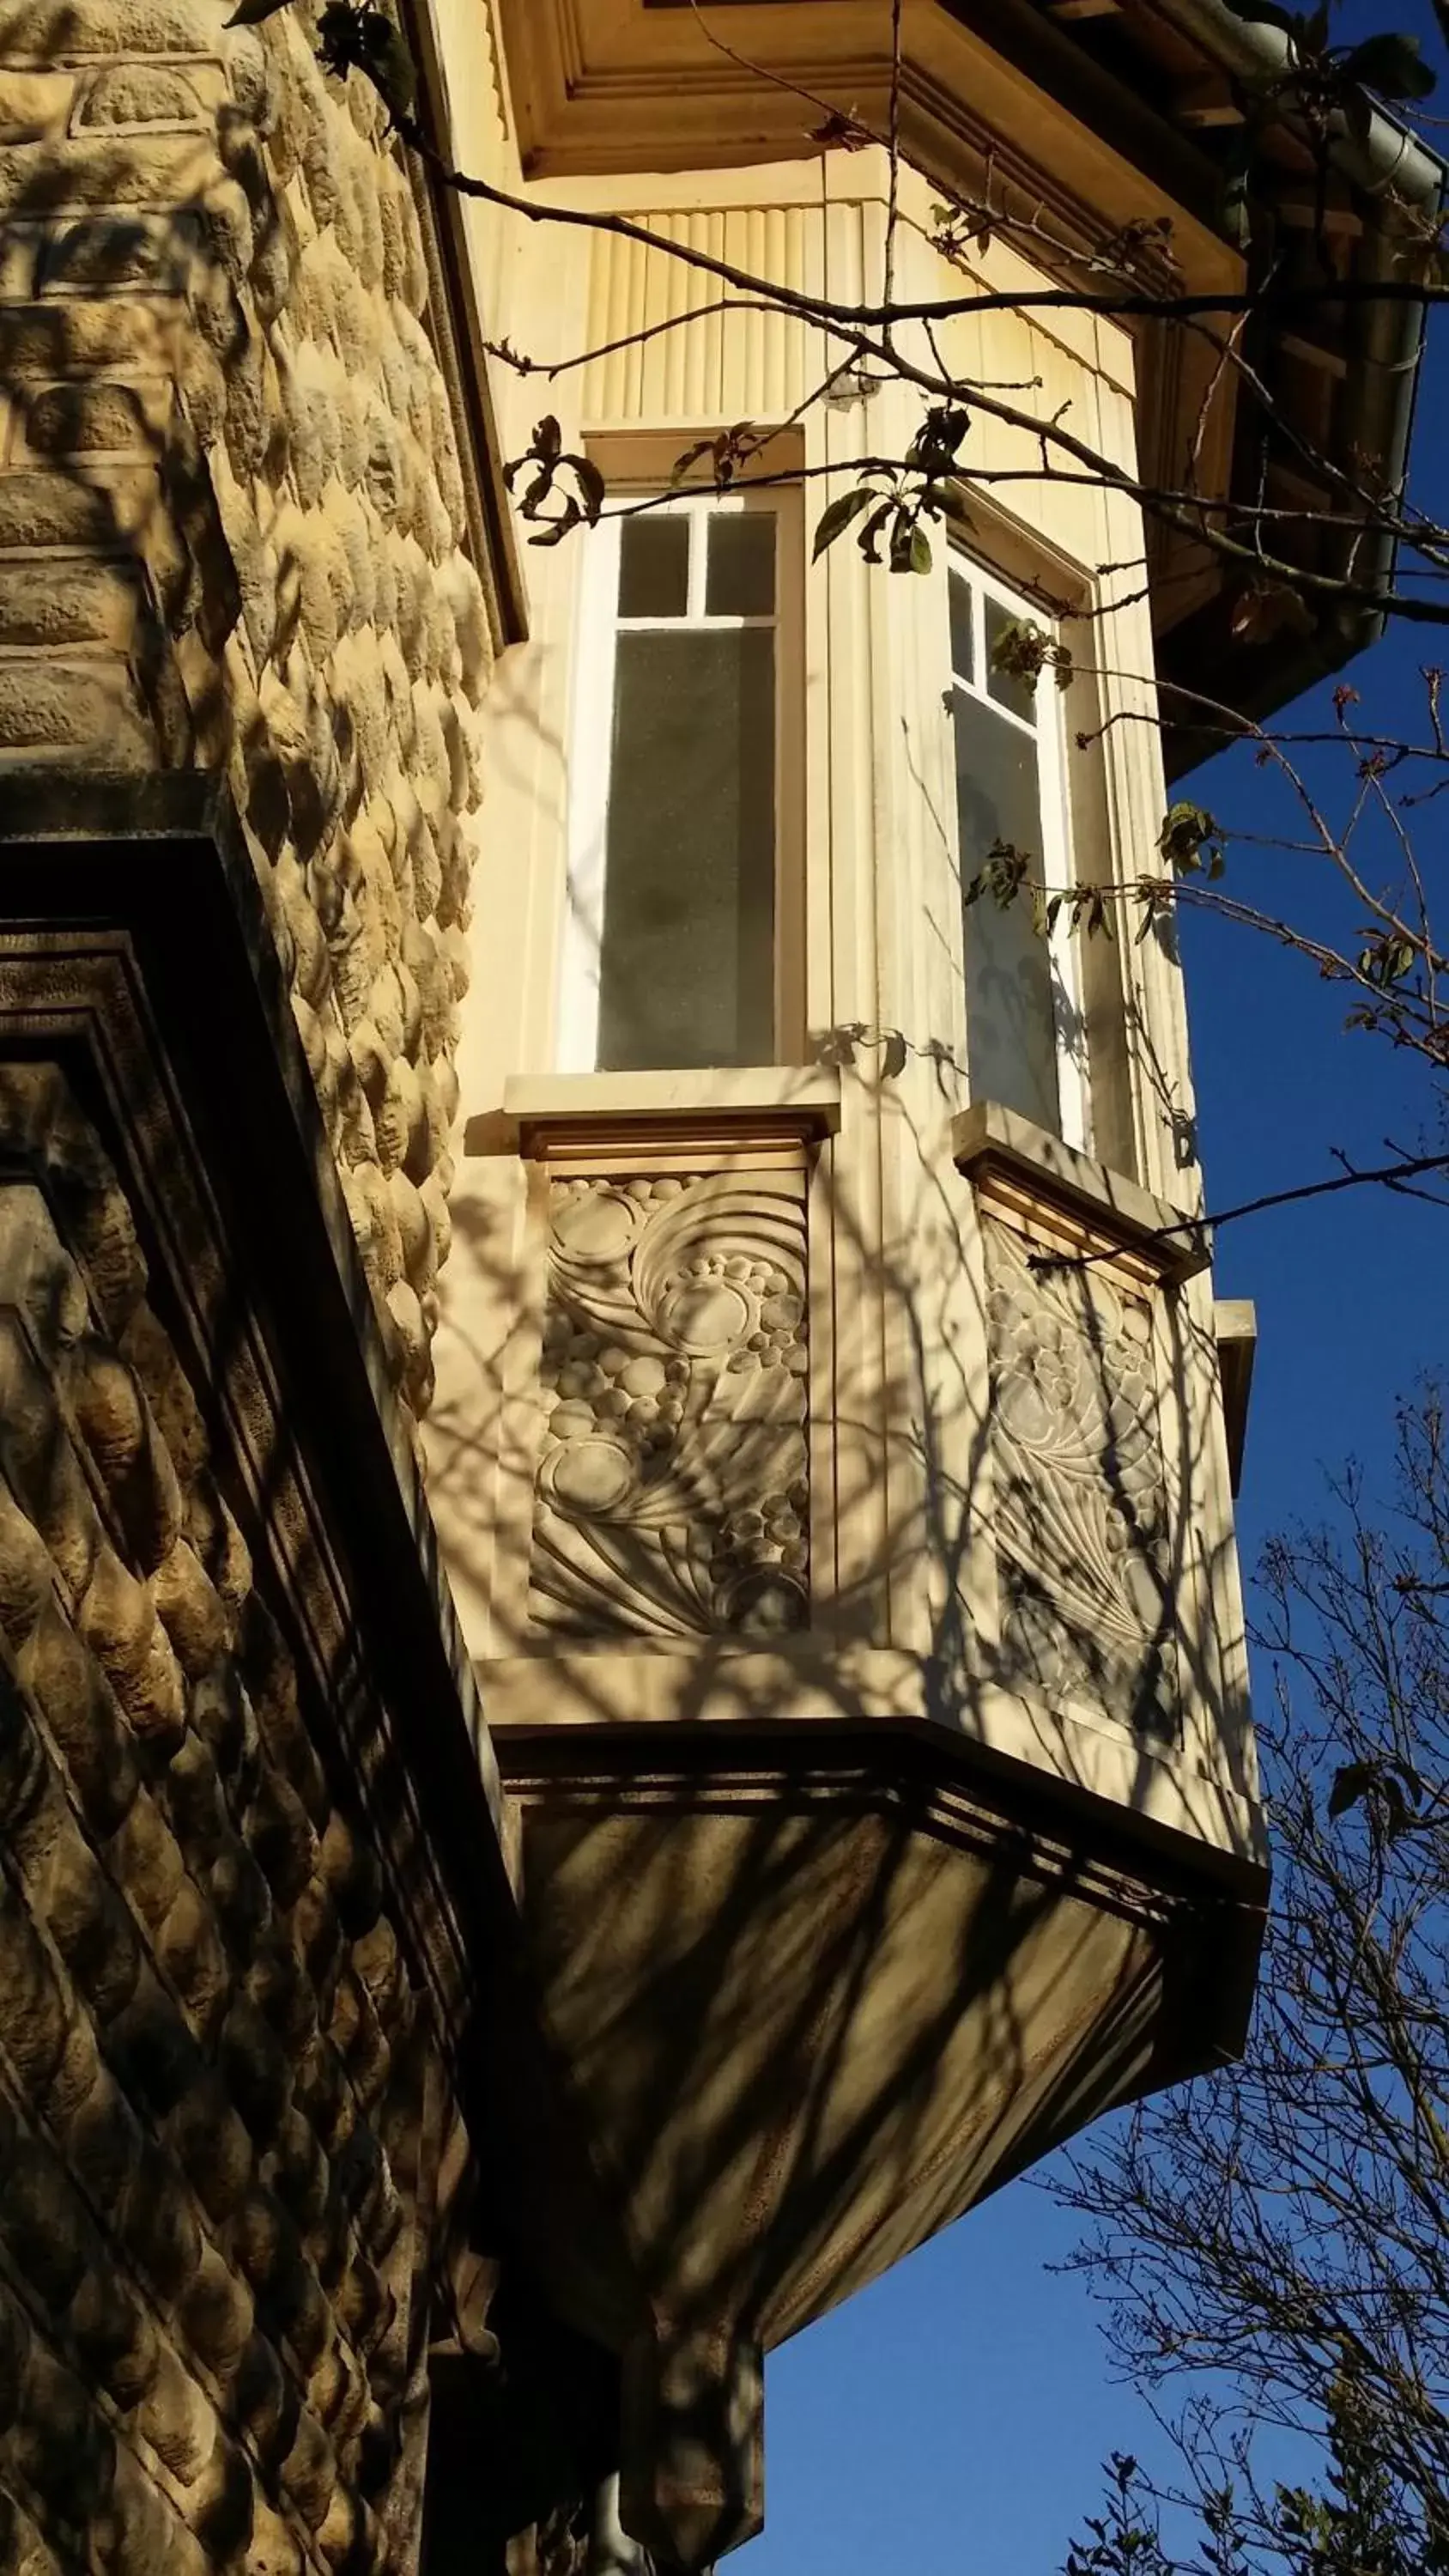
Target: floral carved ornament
<point>1081,1516</point>
<point>672,1495</point>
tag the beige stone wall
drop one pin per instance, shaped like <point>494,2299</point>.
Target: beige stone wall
<point>220,2100</point>
<point>233,532</point>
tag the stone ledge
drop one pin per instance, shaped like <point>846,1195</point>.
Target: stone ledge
<point>542,1111</point>
<point>992,1143</point>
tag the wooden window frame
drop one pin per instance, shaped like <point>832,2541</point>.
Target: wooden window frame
<point>1047,733</point>
<point>596,629</point>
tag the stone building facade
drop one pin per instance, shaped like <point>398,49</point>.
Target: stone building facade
<point>244,571</point>
<point>237,534</point>
<point>442,2051</point>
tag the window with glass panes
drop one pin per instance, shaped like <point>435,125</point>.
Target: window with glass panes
<point>1023,1027</point>
<point>670,950</point>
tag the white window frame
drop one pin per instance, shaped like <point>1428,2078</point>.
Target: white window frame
<point>591,749</point>
<point>1054,789</point>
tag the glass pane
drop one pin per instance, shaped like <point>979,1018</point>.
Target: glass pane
<point>1010,1029</point>
<point>740,580</point>
<point>1019,695</point>
<point>687,970</point>
<point>962,654</point>
<point>654,567</point>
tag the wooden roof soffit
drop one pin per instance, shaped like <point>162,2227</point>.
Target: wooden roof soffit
<point>1098,114</point>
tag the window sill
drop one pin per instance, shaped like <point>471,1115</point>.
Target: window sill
<point>996,1147</point>
<point>541,1112</point>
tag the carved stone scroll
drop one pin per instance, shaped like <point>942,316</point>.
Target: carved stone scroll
<point>672,1496</point>
<point>1080,1496</point>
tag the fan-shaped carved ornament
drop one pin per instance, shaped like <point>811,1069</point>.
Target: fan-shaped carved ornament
<point>672,1495</point>
<point>1081,1517</point>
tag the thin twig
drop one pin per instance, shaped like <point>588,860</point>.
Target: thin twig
<point>1386,1176</point>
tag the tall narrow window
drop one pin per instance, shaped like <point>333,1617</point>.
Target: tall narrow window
<point>1023,1027</point>
<point>670,953</point>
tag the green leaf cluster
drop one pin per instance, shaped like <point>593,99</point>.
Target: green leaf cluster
<point>1190,841</point>
<point>1023,650</point>
<point>728,452</point>
<point>891,503</point>
<point>1003,876</point>
<point>1387,958</point>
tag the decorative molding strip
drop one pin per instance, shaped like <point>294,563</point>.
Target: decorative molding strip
<point>791,1689</point>
<point>131,927</point>
<point>960,1810</point>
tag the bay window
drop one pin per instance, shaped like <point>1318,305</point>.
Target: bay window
<point>684,842</point>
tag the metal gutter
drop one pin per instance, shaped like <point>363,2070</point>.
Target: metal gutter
<point>1387,161</point>
<point>1389,157</point>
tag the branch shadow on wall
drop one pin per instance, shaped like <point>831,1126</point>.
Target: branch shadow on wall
<point>826,1957</point>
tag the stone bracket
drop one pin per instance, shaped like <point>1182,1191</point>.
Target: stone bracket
<point>1235,1329</point>
<point>693,2479</point>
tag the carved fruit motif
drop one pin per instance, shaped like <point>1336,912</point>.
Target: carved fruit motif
<point>1084,1552</point>
<point>672,1494</point>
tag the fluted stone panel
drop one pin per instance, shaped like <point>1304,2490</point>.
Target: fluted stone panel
<point>220,2101</point>
<point>233,532</point>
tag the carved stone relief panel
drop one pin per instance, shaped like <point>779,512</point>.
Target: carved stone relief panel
<point>1081,1519</point>
<point>672,1496</point>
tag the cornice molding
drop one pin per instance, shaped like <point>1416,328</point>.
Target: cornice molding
<point>619,86</point>
<point>949,1795</point>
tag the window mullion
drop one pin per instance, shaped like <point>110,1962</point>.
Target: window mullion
<point>698,556</point>
<point>590,788</point>
<point>1063,940</point>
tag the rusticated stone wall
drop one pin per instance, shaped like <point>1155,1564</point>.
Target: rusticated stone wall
<point>233,531</point>
<point>221,2101</point>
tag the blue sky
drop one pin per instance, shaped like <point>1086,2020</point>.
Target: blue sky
<point>951,2421</point>
<point>953,2418</point>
